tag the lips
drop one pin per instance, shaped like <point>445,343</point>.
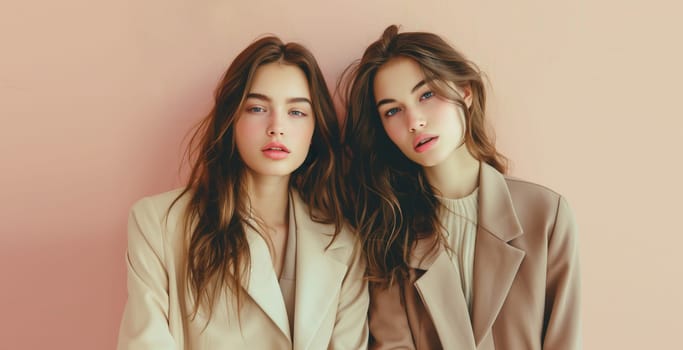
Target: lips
<point>422,141</point>
<point>275,151</point>
<point>275,146</point>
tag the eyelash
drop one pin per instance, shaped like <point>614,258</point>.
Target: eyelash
<point>392,111</point>
<point>300,113</point>
<point>259,109</point>
<point>256,109</point>
<point>425,97</point>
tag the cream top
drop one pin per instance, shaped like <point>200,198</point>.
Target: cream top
<point>459,219</point>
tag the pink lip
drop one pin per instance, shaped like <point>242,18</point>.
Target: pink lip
<point>275,150</point>
<point>425,146</point>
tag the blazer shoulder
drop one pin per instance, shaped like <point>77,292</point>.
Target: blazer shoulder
<point>161,214</point>
<point>528,186</point>
<point>345,247</point>
<point>531,192</point>
<point>346,235</point>
<point>533,201</point>
<point>159,204</point>
<point>321,229</point>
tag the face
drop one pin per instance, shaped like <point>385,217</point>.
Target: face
<point>275,126</point>
<point>424,126</point>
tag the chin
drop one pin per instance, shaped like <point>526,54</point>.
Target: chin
<point>274,174</point>
<point>275,171</point>
<point>427,162</point>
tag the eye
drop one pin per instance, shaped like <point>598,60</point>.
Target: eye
<point>256,109</point>
<point>427,95</point>
<point>392,111</point>
<point>297,113</point>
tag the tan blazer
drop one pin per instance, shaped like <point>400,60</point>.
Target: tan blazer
<point>526,291</point>
<point>331,298</point>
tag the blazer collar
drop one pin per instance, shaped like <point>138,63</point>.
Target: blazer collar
<point>319,274</point>
<point>496,211</point>
<point>263,285</point>
<point>496,215</point>
<point>495,261</point>
<point>445,302</point>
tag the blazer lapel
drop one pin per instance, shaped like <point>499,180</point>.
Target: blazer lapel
<point>441,291</point>
<point>263,286</point>
<point>495,261</point>
<point>318,275</point>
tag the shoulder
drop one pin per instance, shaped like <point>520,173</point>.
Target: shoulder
<point>310,221</point>
<point>163,199</point>
<point>346,247</point>
<point>159,217</point>
<point>346,236</point>
<point>532,195</point>
<point>159,205</point>
<point>526,185</point>
<point>534,201</point>
<point>321,235</point>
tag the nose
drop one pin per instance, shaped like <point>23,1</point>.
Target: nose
<point>275,127</point>
<point>416,121</point>
<point>273,132</point>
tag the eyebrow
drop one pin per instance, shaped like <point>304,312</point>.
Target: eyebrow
<point>390,100</point>
<point>268,99</point>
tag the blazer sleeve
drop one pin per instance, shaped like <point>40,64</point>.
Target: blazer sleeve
<point>388,320</point>
<point>351,324</point>
<point>562,323</point>
<point>145,317</point>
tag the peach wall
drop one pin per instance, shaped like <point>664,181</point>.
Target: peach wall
<point>95,97</point>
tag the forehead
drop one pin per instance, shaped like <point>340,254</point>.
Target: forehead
<point>397,78</point>
<point>280,80</point>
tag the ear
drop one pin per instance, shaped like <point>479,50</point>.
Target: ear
<point>467,95</point>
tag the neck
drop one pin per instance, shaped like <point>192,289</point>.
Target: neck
<point>269,198</point>
<point>455,177</point>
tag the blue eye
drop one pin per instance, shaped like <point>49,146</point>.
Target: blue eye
<point>426,95</point>
<point>256,109</point>
<point>297,113</point>
<point>392,111</point>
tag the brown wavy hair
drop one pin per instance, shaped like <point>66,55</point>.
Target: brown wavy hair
<point>216,247</point>
<point>392,204</point>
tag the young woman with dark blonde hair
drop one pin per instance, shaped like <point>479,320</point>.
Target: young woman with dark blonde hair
<point>252,253</point>
<point>460,256</point>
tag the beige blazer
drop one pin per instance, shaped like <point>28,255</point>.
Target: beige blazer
<point>331,298</point>
<point>526,291</point>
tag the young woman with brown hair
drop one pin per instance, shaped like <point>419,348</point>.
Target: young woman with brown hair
<point>460,256</point>
<point>252,253</point>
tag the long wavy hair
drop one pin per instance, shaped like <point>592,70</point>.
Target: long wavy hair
<point>392,204</point>
<point>216,248</point>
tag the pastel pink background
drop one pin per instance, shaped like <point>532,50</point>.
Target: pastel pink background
<point>96,97</point>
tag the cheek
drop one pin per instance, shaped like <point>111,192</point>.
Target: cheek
<point>245,130</point>
<point>460,122</point>
<point>301,133</point>
<point>449,115</point>
<point>246,127</point>
<point>393,130</point>
<point>309,128</point>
